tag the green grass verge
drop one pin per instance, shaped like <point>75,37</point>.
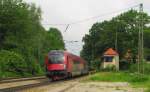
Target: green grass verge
<point>148,90</point>
<point>134,79</point>
<point>17,75</point>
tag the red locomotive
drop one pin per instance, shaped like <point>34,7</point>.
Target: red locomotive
<point>62,64</point>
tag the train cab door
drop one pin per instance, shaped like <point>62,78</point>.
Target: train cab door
<point>69,66</point>
<point>67,63</point>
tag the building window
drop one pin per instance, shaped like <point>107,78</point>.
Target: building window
<point>108,59</point>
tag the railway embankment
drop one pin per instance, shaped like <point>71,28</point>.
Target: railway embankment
<point>98,82</point>
<point>129,81</point>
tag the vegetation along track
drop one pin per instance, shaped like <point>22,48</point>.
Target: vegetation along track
<point>41,83</point>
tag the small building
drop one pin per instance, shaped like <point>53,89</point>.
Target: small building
<point>110,58</point>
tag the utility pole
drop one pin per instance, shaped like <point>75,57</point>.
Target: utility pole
<point>93,50</point>
<point>39,48</point>
<point>139,47</point>
<point>116,41</point>
<point>140,41</point>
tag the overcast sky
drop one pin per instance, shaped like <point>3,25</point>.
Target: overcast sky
<point>68,11</point>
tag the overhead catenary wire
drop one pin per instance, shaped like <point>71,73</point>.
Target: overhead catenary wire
<point>67,27</point>
<point>54,24</point>
<point>90,18</point>
<point>94,17</point>
<point>71,41</point>
<point>76,46</point>
<point>103,15</point>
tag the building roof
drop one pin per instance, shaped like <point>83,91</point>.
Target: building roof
<point>110,51</point>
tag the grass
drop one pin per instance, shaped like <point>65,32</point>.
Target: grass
<point>148,90</point>
<point>8,74</point>
<point>17,75</point>
<point>135,80</point>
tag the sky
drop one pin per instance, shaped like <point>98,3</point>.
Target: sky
<point>56,13</point>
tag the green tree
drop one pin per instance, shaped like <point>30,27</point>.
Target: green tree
<point>12,62</point>
<point>103,35</point>
<point>21,32</point>
<point>53,40</point>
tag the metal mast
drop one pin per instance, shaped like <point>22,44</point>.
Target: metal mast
<point>116,42</point>
<point>140,41</point>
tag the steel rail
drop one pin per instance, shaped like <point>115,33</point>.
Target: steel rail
<point>9,80</point>
<point>44,83</point>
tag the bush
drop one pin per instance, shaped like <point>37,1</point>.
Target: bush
<point>124,65</point>
<point>11,62</point>
<point>35,68</point>
<point>138,78</point>
<point>110,68</point>
<point>147,68</point>
<point>96,65</point>
<point>134,68</point>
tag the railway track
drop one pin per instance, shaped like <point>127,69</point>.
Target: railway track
<point>14,84</point>
<point>9,80</point>
<point>43,82</point>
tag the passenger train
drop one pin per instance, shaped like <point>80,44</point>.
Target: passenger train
<point>62,64</point>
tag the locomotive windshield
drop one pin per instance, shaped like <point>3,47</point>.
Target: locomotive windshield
<point>56,58</point>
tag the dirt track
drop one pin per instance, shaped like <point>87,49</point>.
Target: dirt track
<point>77,86</point>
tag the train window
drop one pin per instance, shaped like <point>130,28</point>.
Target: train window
<point>56,58</point>
<point>76,62</point>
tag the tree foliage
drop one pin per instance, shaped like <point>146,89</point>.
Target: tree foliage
<point>12,62</point>
<point>103,35</point>
<point>53,40</point>
<point>21,32</point>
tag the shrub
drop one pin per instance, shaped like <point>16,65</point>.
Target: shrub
<point>33,66</point>
<point>11,62</point>
<point>124,65</point>
<point>110,68</point>
<point>138,78</point>
<point>96,65</point>
<point>147,68</point>
<point>134,68</point>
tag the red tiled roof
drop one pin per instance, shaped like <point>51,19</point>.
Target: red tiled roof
<point>110,51</point>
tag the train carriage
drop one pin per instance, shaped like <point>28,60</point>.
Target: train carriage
<point>62,64</point>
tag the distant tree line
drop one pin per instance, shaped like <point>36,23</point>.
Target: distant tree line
<point>102,36</point>
<point>23,40</point>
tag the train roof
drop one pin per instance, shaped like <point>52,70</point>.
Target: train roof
<point>67,53</point>
<point>74,56</point>
<point>53,51</point>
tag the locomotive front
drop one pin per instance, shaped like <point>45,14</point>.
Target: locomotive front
<point>56,65</point>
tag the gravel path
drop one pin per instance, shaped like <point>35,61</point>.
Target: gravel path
<point>104,87</point>
<point>77,86</point>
